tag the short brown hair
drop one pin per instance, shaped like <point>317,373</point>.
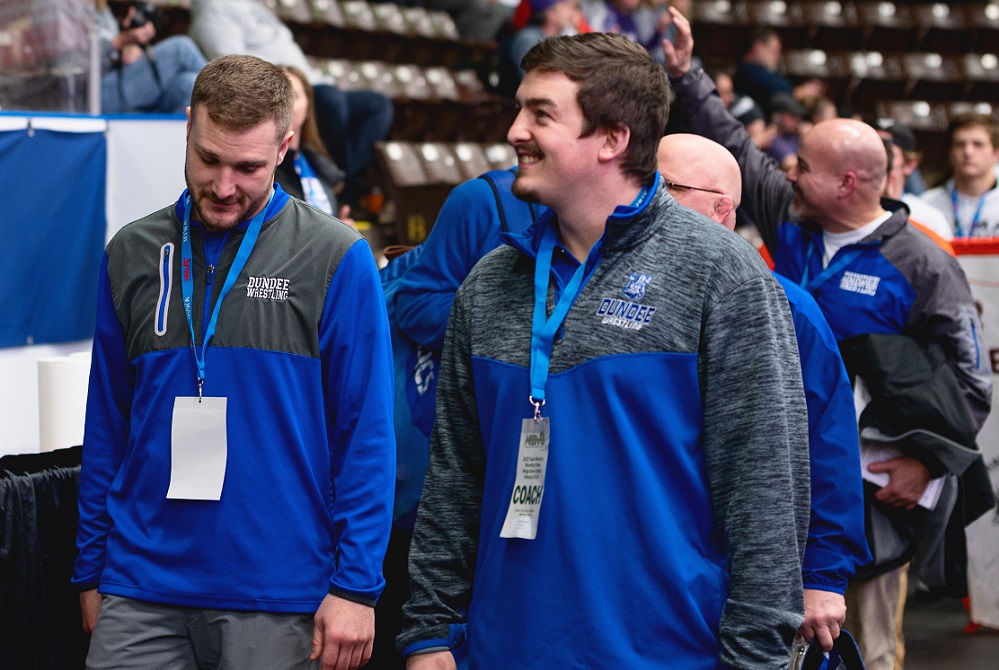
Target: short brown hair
<point>974,120</point>
<point>241,92</point>
<point>619,83</point>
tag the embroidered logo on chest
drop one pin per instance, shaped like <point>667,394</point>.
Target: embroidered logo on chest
<point>268,288</point>
<point>628,314</point>
<point>858,283</point>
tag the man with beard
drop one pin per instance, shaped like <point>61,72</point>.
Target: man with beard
<point>616,479</point>
<point>871,274</point>
<point>238,457</point>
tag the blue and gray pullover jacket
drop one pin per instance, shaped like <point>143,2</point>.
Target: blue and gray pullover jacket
<point>302,354</point>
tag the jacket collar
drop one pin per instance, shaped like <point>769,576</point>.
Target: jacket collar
<point>628,226</point>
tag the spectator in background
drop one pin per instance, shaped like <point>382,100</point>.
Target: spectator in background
<point>970,198</point>
<point>746,110</point>
<point>479,20</point>
<point>307,171</point>
<point>786,115</point>
<point>548,18</point>
<point>922,214</point>
<point>646,24</point>
<point>349,122</point>
<point>138,76</point>
<point>758,76</point>
<point>819,108</point>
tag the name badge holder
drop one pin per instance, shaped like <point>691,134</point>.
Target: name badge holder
<point>198,436</point>
<point>521,520</point>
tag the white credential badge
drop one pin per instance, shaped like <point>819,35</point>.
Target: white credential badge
<point>532,462</point>
<point>198,448</point>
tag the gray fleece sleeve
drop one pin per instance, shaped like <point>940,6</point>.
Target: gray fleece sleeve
<point>756,449</point>
<point>445,539</point>
<point>766,194</point>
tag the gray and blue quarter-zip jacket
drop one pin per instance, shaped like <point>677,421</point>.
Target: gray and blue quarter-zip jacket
<point>897,280</point>
<point>675,504</point>
<point>302,354</point>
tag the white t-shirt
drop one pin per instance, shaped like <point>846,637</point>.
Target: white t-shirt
<point>833,242</point>
<point>967,208</point>
<point>927,215</point>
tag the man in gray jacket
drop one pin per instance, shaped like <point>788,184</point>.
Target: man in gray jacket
<point>618,469</point>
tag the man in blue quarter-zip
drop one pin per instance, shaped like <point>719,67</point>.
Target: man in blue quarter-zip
<point>704,176</point>
<point>617,477</point>
<point>872,274</point>
<point>238,457</point>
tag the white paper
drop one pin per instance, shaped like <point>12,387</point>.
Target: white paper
<point>876,452</point>
<point>198,449</point>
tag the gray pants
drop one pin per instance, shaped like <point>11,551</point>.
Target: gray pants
<point>135,635</point>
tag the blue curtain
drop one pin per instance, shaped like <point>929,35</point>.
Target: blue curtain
<point>52,228</point>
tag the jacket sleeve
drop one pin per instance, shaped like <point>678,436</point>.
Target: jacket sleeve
<point>755,443</point>
<point>836,544</point>
<point>466,229</point>
<point>766,194</point>
<point>445,541</point>
<point>356,358</point>
<point>109,402</point>
<point>945,312</point>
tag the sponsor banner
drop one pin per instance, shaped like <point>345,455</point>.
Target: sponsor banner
<point>980,260</point>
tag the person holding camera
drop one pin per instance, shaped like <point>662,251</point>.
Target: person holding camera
<point>137,76</point>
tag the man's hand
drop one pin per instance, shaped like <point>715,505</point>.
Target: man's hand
<point>907,481</point>
<point>90,607</point>
<point>679,52</point>
<point>825,612</point>
<point>438,660</point>
<point>343,635</point>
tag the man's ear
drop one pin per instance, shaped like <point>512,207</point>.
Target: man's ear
<point>723,208</point>
<point>616,139</point>
<point>847,183</point>
<point>285,143</point>
<point>188,111</point>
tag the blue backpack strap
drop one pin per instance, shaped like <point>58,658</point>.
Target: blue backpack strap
<point>501,182</point>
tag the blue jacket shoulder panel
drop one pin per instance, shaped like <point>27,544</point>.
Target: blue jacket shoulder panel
<point>467,228</point>
<point>836,545</point>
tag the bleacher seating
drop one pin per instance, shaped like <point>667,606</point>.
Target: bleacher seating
<point>419,176</point>
<point>910,61</point>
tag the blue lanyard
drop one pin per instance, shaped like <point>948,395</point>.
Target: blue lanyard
<point>187,279</point>
<point>974,221</point>
<point>833,268</point>
<point>543,330</point>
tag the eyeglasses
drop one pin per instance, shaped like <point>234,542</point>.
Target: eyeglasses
<point>671,186</point>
